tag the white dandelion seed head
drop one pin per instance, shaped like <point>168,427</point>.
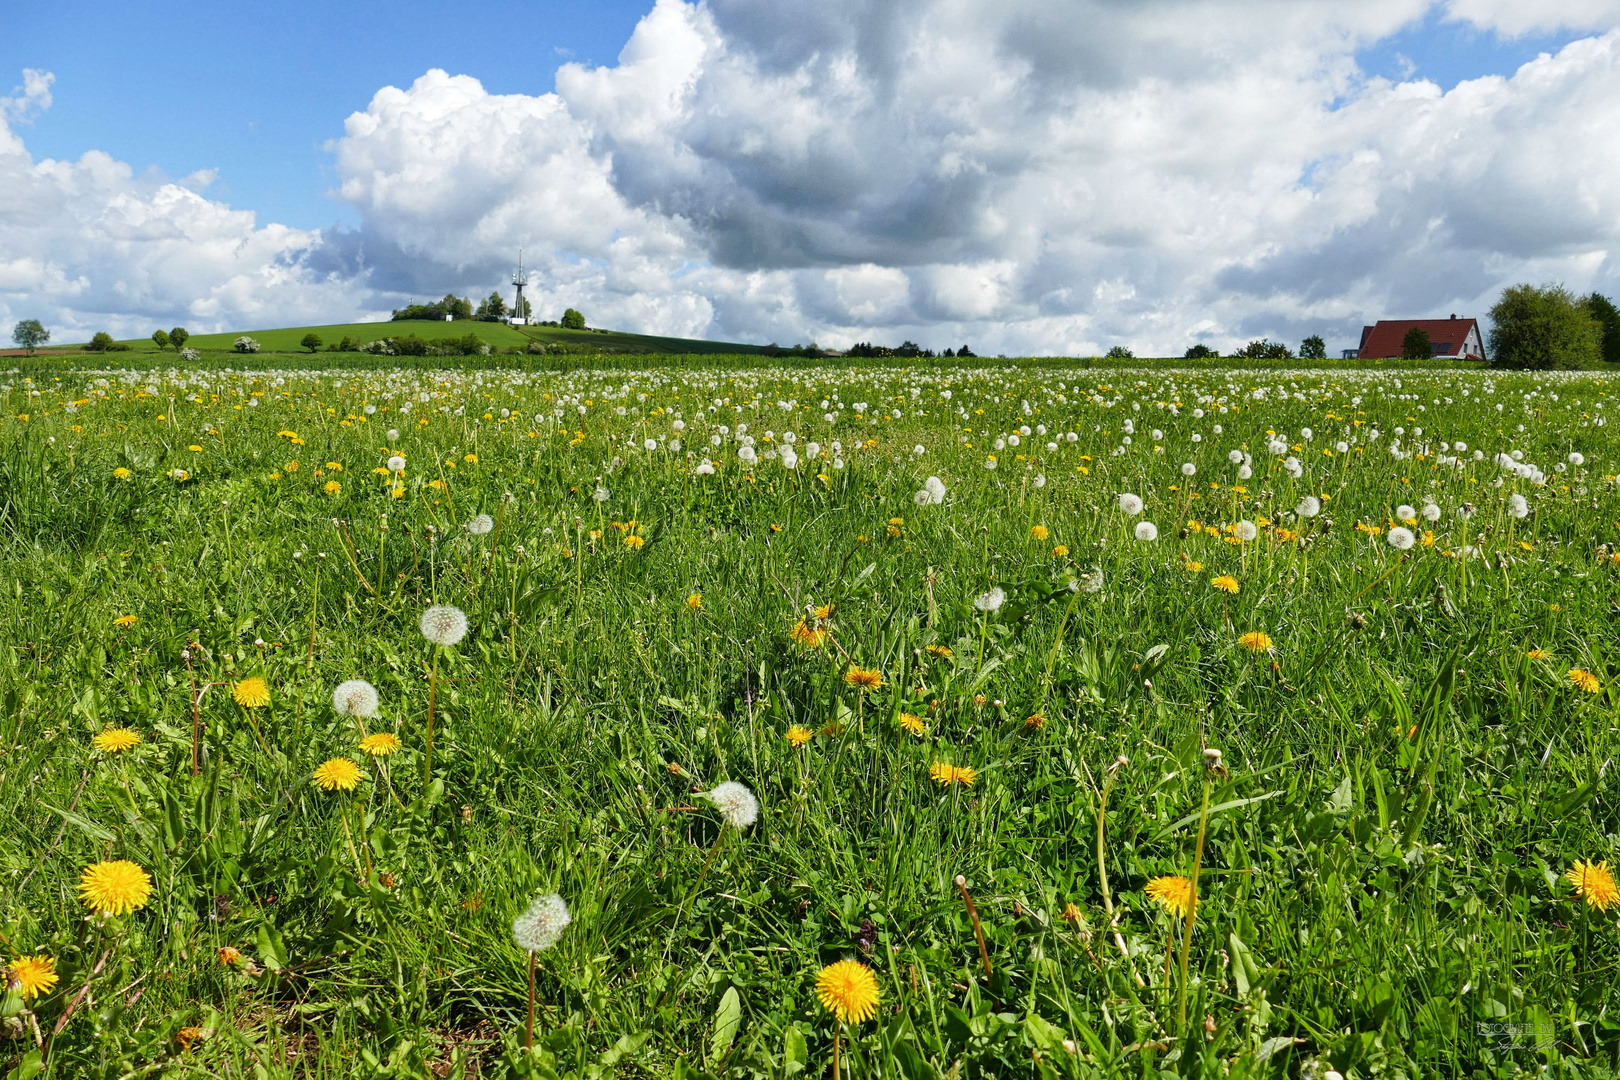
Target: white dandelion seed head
<point>649,444</point>
<point>1131,504</point>
<point>542,925</point>
<point>1517,507</point>
<point>735,803</point>
<point>1146,531</point>
<point>1092,582</point>
<point>1400,538</point>
<point>1244,472</point>
<point>1341,447</point>
<point>1431,512</point>
<point>393,434</point>
<point>990,463</point>
<point>922,498</point>
<point>790,460</point>
<point>396,464</point>
<point>935,488</point>
<point>1247,531</point>
<point>1189,469</point>
<point>1309,507</point>
<point>600,494</point>
<point>355,697</point>
<point>1305,434</point>
<point>444,624</point>
<point>919,450</point>
<point>812,450</point>
<point>1277,448</point>
<point>1405,512</point>
<point>991,601</point>
<point>705,468</point>
<point>1040,480</point>
<point>481,525</point>
<point>1576,458</point>
<point>1235,457</point>
<point>746,453</point>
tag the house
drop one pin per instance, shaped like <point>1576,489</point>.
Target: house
<point>1451,339</point>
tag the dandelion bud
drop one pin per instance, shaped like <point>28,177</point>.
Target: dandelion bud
<point>960,881</point>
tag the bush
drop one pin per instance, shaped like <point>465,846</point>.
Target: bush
<point>1608,317</point>
<point>245,344</point>
<point>190,354</point>
<point>409,345</point>
<point>1200,351</point>
<point>311,341</point>
<point>1544,329</point>
<point>348,344</point>
<point>573,320</point>
<point>1416,345</point>
<point>1120,352</point>
<point>102,341</point>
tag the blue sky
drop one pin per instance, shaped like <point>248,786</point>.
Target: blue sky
<point>255,90</point>
<point>1046,176</point>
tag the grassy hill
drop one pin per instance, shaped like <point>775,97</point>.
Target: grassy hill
<point>500,336</point>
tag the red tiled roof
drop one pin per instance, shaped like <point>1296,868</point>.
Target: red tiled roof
<point>1384,338</point>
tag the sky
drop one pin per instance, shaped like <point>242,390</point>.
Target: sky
<point>1027,176</point>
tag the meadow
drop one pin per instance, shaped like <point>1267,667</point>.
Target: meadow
<point>1088,721</point>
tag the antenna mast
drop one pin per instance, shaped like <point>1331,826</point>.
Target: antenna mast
<point>520,279</point>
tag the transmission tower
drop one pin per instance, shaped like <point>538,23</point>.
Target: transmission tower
<point>520,279</point>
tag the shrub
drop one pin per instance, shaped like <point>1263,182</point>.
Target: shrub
<point>1544,329</point>
<point>190,354</point>
<point>1200,351</point>
<point>311,341</point>
<point>1120,352</point>
<point>1416,345</point>
<point>100,341</point>
<point>348,344</point>
<point>245,344</point>
<point>573,320</point>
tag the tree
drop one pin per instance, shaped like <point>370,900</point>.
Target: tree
<point>30,334</point>
<point>491,309</point>
<point>178,337</point>
<point>1265,349</point>
<point>1544,328</point>
<point>456,307</point>
<point>1416,345</point>
<point>1313,348</point>
<point>1200,351</point>
<point>311,341</point>
<point>1120,352</point>
<point>965,351</point>
<point>100,341</point>
<point>161,337</point>
<point>1608,317</point>
<point>573,320</point>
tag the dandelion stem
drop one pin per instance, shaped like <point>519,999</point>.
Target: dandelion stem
<point>528,1034</point>
<point>973,915</point>
<point>433,692</point>
<point>343,815</point>
<point>1192,904</point>
<point>1102,871</point>
<point>314,610</point>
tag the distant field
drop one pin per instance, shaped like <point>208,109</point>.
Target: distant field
<point>500,335</point>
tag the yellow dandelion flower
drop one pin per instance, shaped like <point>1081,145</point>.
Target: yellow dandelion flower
<point>124,622</point>
<point>848,990</point>
<point>695,601</point>
<point>186,1036</point>
<point>115,740</point>
<point>913,723</point>
<point>863,678</point>
<point>1173,893</point>
<point>1072,913</point>
<point>809,636</point>
<point>940,650</point>
<point>229,957</point>
<point>798,735</point>
<point>1040,532</point>
<point>121,473</point>
<point>831,728</point>
<point>1256,641</point>
<point>1193,566</point>
<point>115,888</point>
<point>381,744</point>
<point>633,542</point>
<point>1585,680</point>
<point>1036,721</point>
<point>1538,654</point>
<point>471,459</point>
<point>946,775</point>
<point>1594,884</point>
<point>252,693</point>
<point>31,976</point>
<point>332,487</point>
<point>1060,551</point>
<point>1226,583</point>
<point>338,774</point>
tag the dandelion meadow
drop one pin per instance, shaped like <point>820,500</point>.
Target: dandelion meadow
<point>931,721</point>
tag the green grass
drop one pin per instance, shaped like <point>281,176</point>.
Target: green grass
<point>501,336</point>
<point>1402,784</point>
